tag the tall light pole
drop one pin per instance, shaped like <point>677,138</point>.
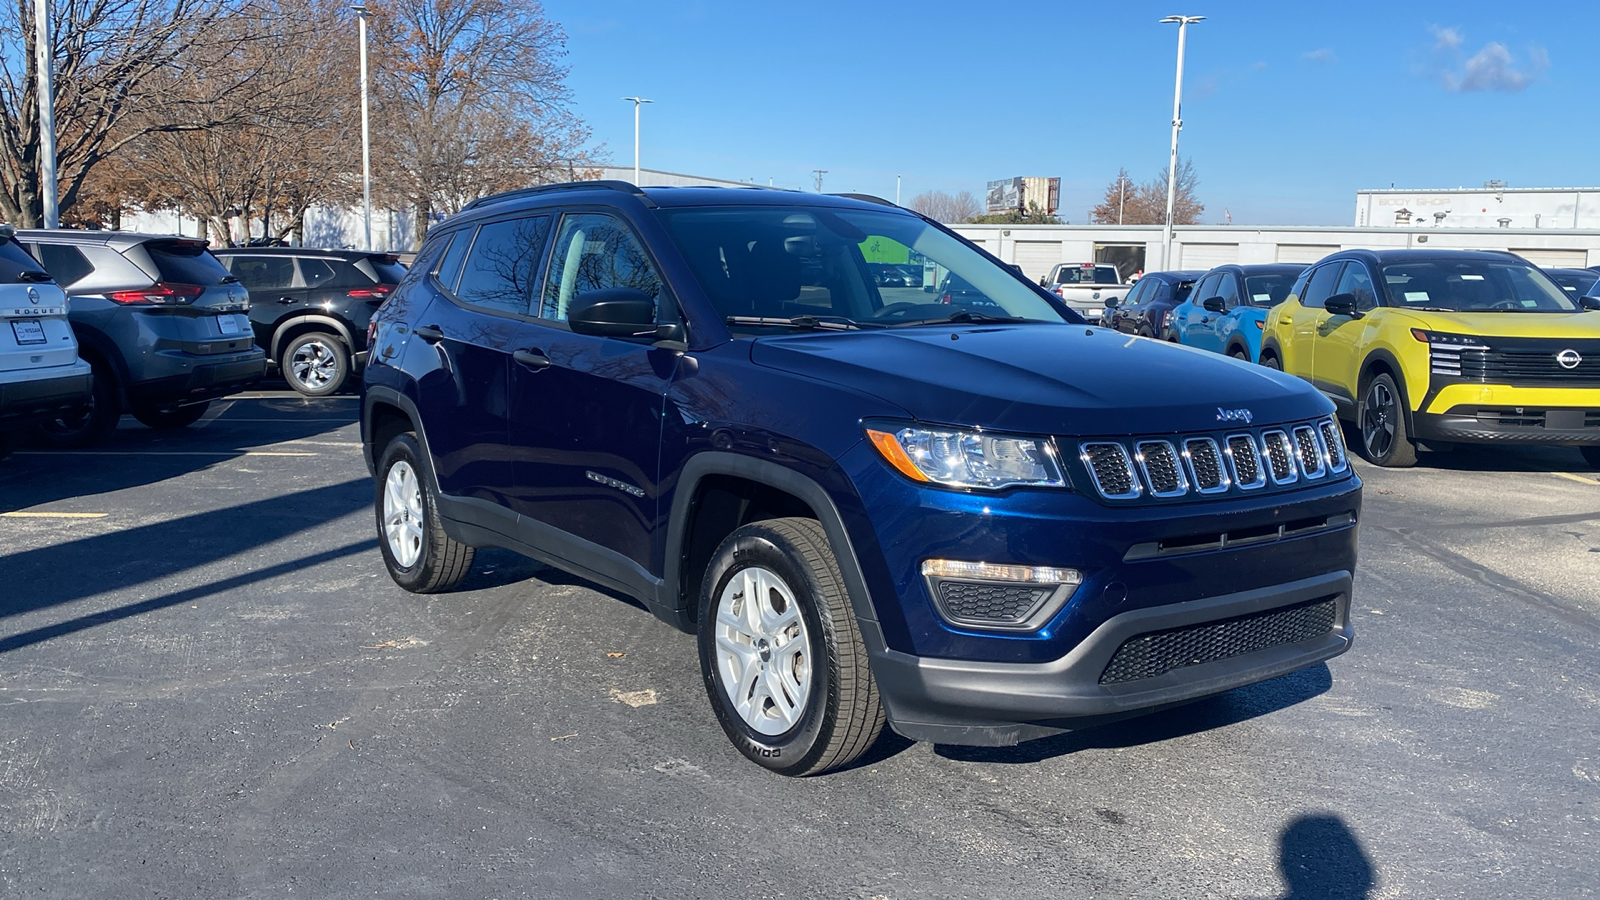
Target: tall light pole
<point>637,102</point>
<point>897,190</point>
<point>1183,23</point>
<point>366,131</point>
<point>44,55</point>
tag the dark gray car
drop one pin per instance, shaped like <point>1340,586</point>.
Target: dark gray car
<point>163,324</point>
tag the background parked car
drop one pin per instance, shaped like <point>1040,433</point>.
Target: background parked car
<point>1144,310</point>
<point>1576,282</point>
<point>309,308</point>
<point>1227,309</point>
<point>160,321</point>
<point>41,375</point>
<point>1089,288</point>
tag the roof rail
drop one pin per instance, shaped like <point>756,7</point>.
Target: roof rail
<point>869,198</point>
<point>602,184</point>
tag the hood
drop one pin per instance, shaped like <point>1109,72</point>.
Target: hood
<point>1044,379</point>
<point>1584,324</point>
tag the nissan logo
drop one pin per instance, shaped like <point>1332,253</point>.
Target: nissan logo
<point>33,296</point>
<point>1569,359</point>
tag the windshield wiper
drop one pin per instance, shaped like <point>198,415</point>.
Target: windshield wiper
<point>809,323</point>
<point>967,315</point>
<point>27,275</point>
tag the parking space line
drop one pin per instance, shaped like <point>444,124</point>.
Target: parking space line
<point>162,453</point>
<point>52,515</point>
<point>1578,478</point>
<point>212,414</point>
<point>293,420</point>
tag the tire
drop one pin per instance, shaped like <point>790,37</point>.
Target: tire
<point>169,419</point>
<point>419,555</point>
<point>1382,420</point>
<point>1591,455</point>
<point>801,711</point>
<point>1239,354</point>
<point>92,424</point>
<point>1272,363</point>
<point>315,363</point>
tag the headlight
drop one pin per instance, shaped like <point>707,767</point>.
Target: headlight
<point>969,459</point>
<point>1447,341</point>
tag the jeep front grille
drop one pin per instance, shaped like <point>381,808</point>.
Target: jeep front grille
<point>1163,468</point>
<point>1157,653</point>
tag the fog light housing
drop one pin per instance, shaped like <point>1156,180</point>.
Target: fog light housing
<point>997,596</point>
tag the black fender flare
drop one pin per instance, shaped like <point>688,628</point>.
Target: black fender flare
<point>279,339</point>
<point>1270,343</point>
<point>104,347</point>
<point>715,462</point>
<point>1364,374</point>
<point>376,394</point>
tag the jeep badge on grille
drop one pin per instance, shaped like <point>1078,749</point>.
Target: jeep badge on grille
<point>1234,415</point>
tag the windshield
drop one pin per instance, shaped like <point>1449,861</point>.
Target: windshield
<point>1577,283</point>
<point>779,263</point>
<point>1089,275</point>
<point>1268,290</point>
<point>1474,286</point>
<point>16,265</point>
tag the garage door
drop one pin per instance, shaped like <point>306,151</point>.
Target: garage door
<point>1304,253</point>
<point>1554,259</point>
<point>1036,258</point>
<point>1204,256</point>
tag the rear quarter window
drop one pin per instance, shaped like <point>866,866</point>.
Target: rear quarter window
<point>14,261</point>
<point>186,263</point>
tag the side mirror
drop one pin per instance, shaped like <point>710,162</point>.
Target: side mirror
<point>613,312</point>
<point>1589,302</point>
<point>1214,304</point>
<point>1113,302</point>
<point>1341,305</point>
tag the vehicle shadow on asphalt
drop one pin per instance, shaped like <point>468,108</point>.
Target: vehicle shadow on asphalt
<point>1238,705</point>
<point>493,567</point>
<point>58,574</point>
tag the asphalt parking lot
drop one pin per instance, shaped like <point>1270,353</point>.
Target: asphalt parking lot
<point>210,688</point>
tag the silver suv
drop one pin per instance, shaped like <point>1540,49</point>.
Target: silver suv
<point>41,376</point>
<point>164,325</point>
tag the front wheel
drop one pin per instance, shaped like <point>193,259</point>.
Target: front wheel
<point>418,553</point>
<point>780,651</point>
<point>1384,440</point>
<point>167,419</point>
<point>316,364</point>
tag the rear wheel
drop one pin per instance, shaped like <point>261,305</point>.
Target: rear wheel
<point>418,553</point>
<point>780,651</point>
<point>165,419</point>
<point>1271,362</point>
<point>1383,426</point>
<point>316,364</point>
<point>91,424</point>
<point>1238,353</point>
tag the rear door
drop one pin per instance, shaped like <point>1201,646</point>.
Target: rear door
<point>587,428</point>
<point>271,281</point>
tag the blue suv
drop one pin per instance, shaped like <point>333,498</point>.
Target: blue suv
<point>978,521</point>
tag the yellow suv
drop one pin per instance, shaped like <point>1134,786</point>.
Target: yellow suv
<point>1443,346</point>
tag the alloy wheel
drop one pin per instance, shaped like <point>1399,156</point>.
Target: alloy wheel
<point>314,364</point>
<point>402,513</point>
<point>1377,420</point>
<point>763,651</point>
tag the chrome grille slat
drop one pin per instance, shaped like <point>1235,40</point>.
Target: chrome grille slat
<point>1112,470</point>
<point>1308,451</point>
<point>1246,459</point>
<point>1163,471</point>
<point>1333,442</point>
<point>1205,464</point>
<point>1279,456</point>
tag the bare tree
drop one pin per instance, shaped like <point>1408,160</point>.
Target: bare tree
<point>110,58</point>
<point>1113,209</point>
<point>947,208</point>
<point>1146,204</point>
<point>471,98</point>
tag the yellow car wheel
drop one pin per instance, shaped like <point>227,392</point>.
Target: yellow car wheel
<point>1384,439</point>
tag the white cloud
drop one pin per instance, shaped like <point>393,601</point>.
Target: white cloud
<point>1323,55</point>
<point>1446,38</point>
<point>1492,68</point>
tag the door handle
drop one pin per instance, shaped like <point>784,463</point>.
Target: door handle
<point>533,359</point>
<point>429,333</point>
<point>286,300</point>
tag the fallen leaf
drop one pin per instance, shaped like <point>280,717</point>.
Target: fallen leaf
<point>635,699</point>
<point>615,654</point>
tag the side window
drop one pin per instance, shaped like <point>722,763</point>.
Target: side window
<point>1139,293</point>
<point>499,270</point>
<point>1206,289</point>
<point>1228,289</point>
<point>262,273</point>
<point>65,264</point>
<point>1320,287</point>
<point>1356,282</point>
<point>449,270</point>
<point>594,251</point>
<point>315,273</point>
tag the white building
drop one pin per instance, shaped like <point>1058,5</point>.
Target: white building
<point>1491,206</point>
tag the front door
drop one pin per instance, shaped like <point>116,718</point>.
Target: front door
<point>586,430</point>
<point>1300,355</point>
<point>1339,337</point>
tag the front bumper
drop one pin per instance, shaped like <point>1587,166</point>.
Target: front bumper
<point>999,704</point>
<point>44,393</point>
<point>1510,425</point>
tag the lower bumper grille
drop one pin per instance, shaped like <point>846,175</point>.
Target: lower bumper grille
<point>1157,653</point>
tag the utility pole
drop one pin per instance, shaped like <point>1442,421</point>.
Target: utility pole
<point>897,190</point>
<point>366,131</point>
<point>1183,23</point>
<point>819,173</point>
<point>43,48</point>
<point>1122,196</point>
<point>637,102</point>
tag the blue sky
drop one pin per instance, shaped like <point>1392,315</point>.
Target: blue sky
<point>1289,107</point>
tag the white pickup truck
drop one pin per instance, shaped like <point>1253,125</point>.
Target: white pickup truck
<point>1086,287</point>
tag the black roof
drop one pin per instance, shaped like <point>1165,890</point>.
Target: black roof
<point>1413,255</point>
<point>1268,268</point>
<point>1177,275</point>
<point>303,251</point>
<point>665,196</point>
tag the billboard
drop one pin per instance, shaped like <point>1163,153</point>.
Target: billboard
<point>1023,193</point>
<point>1004,195</point>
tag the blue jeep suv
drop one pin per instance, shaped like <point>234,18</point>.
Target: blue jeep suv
<point>980,521</point>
